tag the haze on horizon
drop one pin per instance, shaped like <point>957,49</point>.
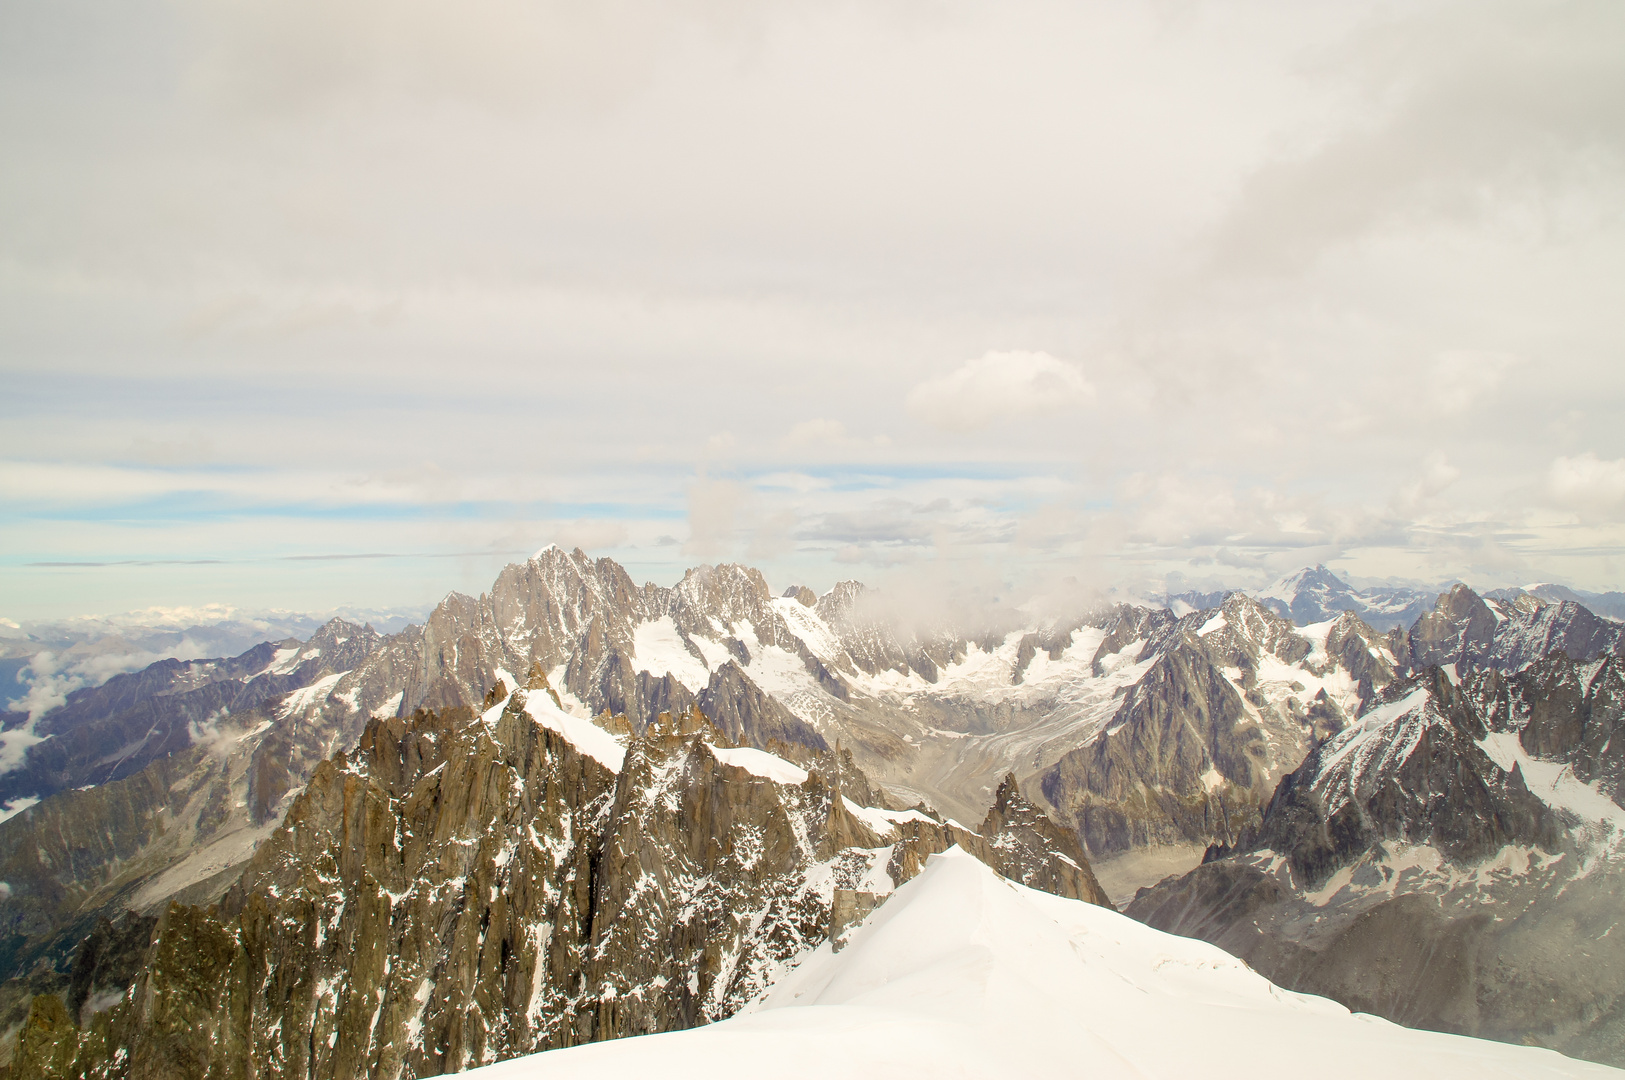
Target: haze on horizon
<point>313,304</point>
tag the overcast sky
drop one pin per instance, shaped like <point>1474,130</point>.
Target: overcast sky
<point>319,302</point>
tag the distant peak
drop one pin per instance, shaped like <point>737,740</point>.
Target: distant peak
<point>803,595</point>
<point>554,551</point>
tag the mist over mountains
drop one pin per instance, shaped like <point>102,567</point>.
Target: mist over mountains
<point>46,660</point>
<point>42,662</point>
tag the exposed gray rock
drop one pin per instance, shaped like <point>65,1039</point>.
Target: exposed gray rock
<point>746,715</point>
<point>465,888</point>
<point>1405,871</point>
<point>1470,632</point>
<point>1196,747</point>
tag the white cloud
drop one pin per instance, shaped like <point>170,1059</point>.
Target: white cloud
<point>1000,386</point>
<point>1460,379</point>
<point>1437,474</point>
<point>826,436</point>
<point>1458,114</point>
<point>569,252</point>
<point>1588,483</point>
<point>590,536</point>
<point>816,431</point>
<point>713,515</point>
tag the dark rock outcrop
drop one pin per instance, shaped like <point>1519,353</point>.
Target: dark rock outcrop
<point>1406,868</point>
<point>463,888</point>
<point>1414,772</point>
<point>1195,749</point>
<point>746,715</point>
<point>1470,632</point>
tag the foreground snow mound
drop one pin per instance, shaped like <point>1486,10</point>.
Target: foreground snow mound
<point>964,974</point>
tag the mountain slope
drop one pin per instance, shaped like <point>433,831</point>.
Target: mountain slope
<point>170,777</point>
<point>1469,631</point>
<point>1315,594</point>
<point>112,731</point>
<point>1137,730</point>
<point>1229,702</point>
<point>467,887</point>
<point>961,974</point>
<point>1454,860</point>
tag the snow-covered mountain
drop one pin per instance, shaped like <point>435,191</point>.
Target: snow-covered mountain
<point>1455,860</point>
<point>1135,727</point>
<point>1138,732</point>
<point>1315,594</point>
<point>1469,631</point>
<point>939,716</point>
<point>41,663</point>
<point>466,887</point>
<point>113,730</point>
<point>1610,605</point>
<point>964,974</point>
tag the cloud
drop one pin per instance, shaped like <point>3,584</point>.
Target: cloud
<point>829,435</point>
<point>719,444</point>
<point>813,432</point>
<point>773,536</point>
<point>295,250</point>
<point>1456,115</point>
<point>713,514</point>
<point>299,55</point>
<point>590,535</point>
<point>1460,379</point>
<point>997,387</point>
<point>1437,475</point>
<point>1587,483</point>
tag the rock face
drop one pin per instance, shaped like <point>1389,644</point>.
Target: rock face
<point>466,887</point>
<point>1468,631</point>
<point>1230,702</point>
<point>745,714</point>
<point>1454,860</point>
<point>226,745</point>
<point>1571,713</point>
<point>1414,770</point>
<point>1130,727</point>
<point>1030,848</point>
<point>1315,595</point>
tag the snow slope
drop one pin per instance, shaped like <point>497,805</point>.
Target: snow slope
<point>964,974</point>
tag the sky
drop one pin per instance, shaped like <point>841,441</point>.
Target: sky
<point>307,304</point>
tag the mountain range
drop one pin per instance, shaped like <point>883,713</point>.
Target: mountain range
<point>733,776</point>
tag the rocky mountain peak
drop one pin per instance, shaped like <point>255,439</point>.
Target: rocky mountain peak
<point>1458,629</point>
<point>727,591</point>
<point>465,888</point>
<point>1316,594</point>
<point>1452,859</point>
<point>1469,631</point>
<point>1413,769</point>
<point>802,595</point>
<point>836,606</point>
